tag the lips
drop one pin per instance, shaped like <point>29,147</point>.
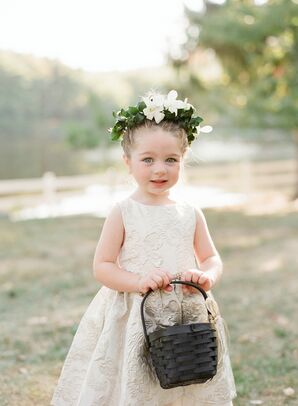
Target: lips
<point>159,181</point>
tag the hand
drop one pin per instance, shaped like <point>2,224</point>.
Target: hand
<point>156,279</point>
<point>204,279</point>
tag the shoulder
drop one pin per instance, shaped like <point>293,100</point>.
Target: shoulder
<point>114,217</point>
<point>113,228</point>
<point>111,237</point>
<point>122,211</point>
<point>121,205</point>
<point>199,214</point>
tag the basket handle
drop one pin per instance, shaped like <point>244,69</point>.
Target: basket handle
<point>150,291</point>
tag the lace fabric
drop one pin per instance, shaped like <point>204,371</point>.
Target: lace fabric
<point>107,363</point>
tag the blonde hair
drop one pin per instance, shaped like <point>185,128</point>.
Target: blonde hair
<point>129,135</point>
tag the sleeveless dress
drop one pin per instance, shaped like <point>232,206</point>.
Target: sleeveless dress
<point>107,362</point>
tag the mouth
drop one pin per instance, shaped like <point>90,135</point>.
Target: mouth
<point>159,181</point>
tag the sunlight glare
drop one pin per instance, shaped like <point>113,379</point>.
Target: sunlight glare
<point>92,35</point>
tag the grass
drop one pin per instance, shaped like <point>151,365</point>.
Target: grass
<point>46,285</point>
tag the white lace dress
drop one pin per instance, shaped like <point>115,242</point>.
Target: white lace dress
<point>107,363</point>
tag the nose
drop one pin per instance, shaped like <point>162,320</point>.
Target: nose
<point>159,167</point>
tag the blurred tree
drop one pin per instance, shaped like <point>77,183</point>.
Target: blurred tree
<point>38,99</point>
<point>92,131</point>
<point>257,45</point>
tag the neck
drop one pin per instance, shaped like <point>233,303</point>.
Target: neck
<point>148,199</point>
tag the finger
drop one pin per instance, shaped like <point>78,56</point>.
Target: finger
<point>153,285</point>
<point>185,288</point>
<point>164,272</point>
<point>202,279</point>
<point>166,284</point>
<point>192,276</point>
<point>189,276</point>
<point>185,277</point>
<point>170,276</point>
<point>196,273</point>
<point>165,279</point>
<point>195,278</point>
<point>158,279</point>
<point>157,271</point>
<point>208,284</point>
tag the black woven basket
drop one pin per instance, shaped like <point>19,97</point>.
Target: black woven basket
<point>182,354</point>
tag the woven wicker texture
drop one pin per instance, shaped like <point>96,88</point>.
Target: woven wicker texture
<point>183,354</point>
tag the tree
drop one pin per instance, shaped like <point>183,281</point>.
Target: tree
<point>257,45</point>
<point>92,130</point>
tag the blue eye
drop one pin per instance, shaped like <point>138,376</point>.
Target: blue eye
<point>150,160</point>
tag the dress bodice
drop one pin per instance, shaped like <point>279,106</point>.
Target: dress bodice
<point>157,236</point>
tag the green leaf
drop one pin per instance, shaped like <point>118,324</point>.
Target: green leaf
<point>139,118</point>
<point>132,110</point>
<point>123,113</point>
<point>195,121</point>
<point>141,105</point>
<point>169,115</point>
<point>115,134</point>
<point>118,126</point>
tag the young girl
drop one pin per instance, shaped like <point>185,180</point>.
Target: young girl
<point>147,240</point>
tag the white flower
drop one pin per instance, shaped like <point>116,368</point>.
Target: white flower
<point>188,105</point>
<point>154,100</point>
<point>154,112</point>
<point>206,129</point>
<point>154,107</point>
<point>172,104</point>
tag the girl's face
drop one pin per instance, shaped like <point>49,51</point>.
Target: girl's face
<point>155,161</point>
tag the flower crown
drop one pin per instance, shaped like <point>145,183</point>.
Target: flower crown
<point>159,107</point>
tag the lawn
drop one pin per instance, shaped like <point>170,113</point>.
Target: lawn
<point>46,284</point>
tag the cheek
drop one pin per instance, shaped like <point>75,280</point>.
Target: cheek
<point>176,169</point>
<point>140,170</point>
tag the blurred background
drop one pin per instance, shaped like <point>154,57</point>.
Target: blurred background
<point>64,67</point>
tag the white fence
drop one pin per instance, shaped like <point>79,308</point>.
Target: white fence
<point>244,177</point>
<point>247,177</point>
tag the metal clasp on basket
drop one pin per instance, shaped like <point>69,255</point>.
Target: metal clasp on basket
<point>177,276</point>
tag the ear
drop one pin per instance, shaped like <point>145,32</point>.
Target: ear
<point>126,161</point>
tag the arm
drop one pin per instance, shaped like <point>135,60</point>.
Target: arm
<point>210,264</point>
<point>205,251</point>
<point>105,267</point>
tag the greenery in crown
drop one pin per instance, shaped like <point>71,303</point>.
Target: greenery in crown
<point>159,107</point>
